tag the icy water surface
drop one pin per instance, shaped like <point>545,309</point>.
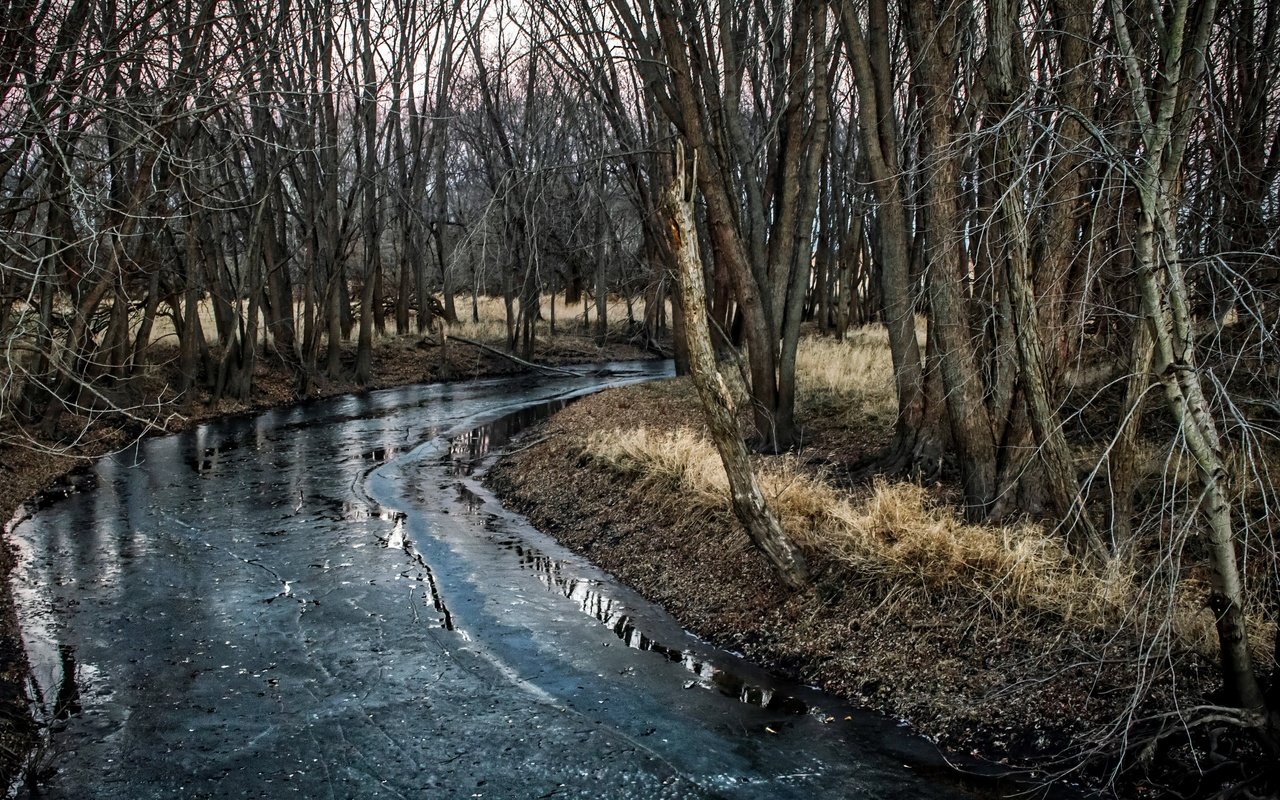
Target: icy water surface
<point>324,602</point>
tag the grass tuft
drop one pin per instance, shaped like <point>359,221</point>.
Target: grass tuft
<point>839,380</point>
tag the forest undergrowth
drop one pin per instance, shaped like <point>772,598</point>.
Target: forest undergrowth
<point>892,528</point>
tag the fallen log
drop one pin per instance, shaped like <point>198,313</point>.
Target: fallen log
<point>515,359</point>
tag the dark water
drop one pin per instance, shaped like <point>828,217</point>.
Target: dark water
<point>324,602</point>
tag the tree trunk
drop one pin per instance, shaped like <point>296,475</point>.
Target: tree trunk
<point>367,169</point>
<point>1123,467</point>
<point>727,244</point>
<point>333,320</point>
<point>1165,126</point>
<point>878,131</point>
<point>1063,488</point>
<point>717,403</point>
<point>800,269</point>
<point>931,41</point>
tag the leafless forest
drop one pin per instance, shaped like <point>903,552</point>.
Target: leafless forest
<point>1065,213</point>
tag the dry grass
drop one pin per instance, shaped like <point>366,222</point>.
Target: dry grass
<point>853,377</point>
<point>487,325</point>
<point>491,325</point>
<point>896,532</point>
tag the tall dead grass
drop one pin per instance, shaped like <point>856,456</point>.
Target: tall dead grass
<point>891,531</point>
<point>489,322</point>
<point>842,380</point>
<point>895,531</point>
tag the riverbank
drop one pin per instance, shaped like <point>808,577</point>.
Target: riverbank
<point>985,640</point>
<point>986,657</point>
<point>31,467</point>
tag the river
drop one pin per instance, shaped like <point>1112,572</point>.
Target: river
<point>323,601</point>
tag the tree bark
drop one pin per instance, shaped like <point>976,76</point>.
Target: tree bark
<point>727,244</point>
<point>879,134</point>
<point>931,41</point>
<point>717,403</point>
<point>1165,125</point>
<point>1059,466</point>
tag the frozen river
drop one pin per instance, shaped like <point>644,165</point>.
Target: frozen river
<point>323,601</point>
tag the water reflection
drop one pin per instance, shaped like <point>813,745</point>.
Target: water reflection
<point>399,539</point>
<point>67,700</point>
<point>379,454</point>
<point>464,454</point>
<point>466,450</point>
<point>591,600</point>
<point>81,479</point>
<point>470,499</point>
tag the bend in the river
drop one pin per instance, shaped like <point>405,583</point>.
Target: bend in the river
<point>323,601</point>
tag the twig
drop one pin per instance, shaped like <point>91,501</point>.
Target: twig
<point>534,443</point>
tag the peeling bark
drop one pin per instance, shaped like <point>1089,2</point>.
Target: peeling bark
<point>749,505</point>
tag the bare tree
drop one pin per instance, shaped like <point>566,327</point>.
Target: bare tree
<point>717,401</point>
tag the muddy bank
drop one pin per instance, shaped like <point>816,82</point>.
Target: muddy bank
<point>1019,689</point>
<point>31,468</point>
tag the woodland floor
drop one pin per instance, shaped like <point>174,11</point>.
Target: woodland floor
<point>35,467</point>
<point>1033,691</point>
